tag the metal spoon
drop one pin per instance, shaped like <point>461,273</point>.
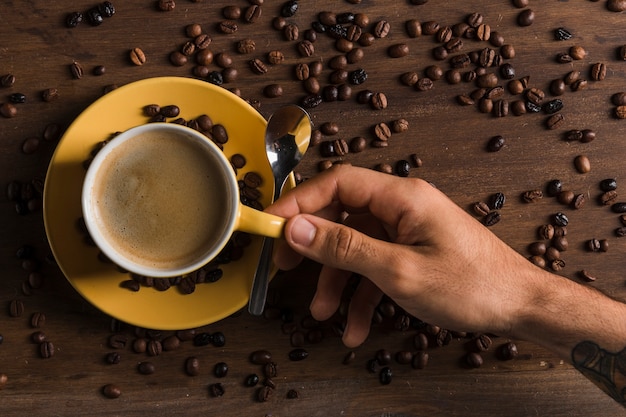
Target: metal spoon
<point>287,137</point>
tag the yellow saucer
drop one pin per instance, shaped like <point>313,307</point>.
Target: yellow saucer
<point>98,282</point>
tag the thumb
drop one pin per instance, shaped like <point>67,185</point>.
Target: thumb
<point>339,246</point>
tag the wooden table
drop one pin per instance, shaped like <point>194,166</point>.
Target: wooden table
<point>37,48</point>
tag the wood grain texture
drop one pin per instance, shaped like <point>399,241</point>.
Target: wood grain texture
<point>38,49</point>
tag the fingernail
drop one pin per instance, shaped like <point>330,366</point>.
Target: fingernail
<point>303,232</point>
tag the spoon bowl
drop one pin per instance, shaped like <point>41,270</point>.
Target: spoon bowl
<point>287,138</point>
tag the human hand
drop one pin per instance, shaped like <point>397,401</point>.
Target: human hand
<point>410,242</point>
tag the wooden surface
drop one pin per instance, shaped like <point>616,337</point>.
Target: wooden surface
<point>37,48</point>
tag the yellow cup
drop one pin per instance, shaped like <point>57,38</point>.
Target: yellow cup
<point>162,200</point>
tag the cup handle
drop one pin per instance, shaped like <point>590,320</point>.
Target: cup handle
<point>260,223</point>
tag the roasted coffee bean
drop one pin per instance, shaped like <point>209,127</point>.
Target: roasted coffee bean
<point>94,17</point>
<point>218,339</point>
<point>608,197</point>
<point>217,389</point>
<point>619,99</point>
<point>501,108</point>
<point>537,248</point>
<point>76,69</point>
<point>358,76</point>
<point>228,26</point>
<point>554,121</point>
<point>619,207</point>
<point>481,208</point>
<point>398,50</point>
<point>111,391</point>
<point>192,366</point>
<point>16,308</point>
<point>526,17</point>
<point>552,106</point>
<point>220,369</point>
<point>507,351</point>
<point>289,9</point>
<point>137,56</point>
<point>145,368</point>
<point>170,111</point>
<point>557,87</point>
<point>562,34</point>
<point>420,360</point>
<point>385,376</point>
<point>73,19</point>
<point>496,201</point>
<point>202,339</point>
<point>492,218</point>
<point>46,349</point>
<point>616,5</point>
<point>554,187</point>
<point>560,219</point>
<point>298,354</point>
<point>538,261</point>
<point>535,95</point>
<point>37,320</point>
<point>8,110</point>
<point>154,348</point>
<point>608,184</point>
<point>582,164</point>
<point>260,357</point>
<point>403,168</point>
<point>112,358</point>
<point>532,196</point>
<point>17,98</point>
<point>378,101</point>
<point>264,393</point>
<point>403,357</point>
<point>598,71</point>
<point>577,52</point>
<point>381,29</point>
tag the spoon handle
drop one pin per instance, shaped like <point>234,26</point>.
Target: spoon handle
<point>261,278</point>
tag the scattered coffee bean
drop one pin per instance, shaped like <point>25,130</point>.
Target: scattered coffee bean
<point>217,389</point>
<point>385,376</point>
<point>260,357</point>
<point>582,164</point>
<point>16,308</point>
<point>46,349</point>
<point>492,218</point>
<point>111,391</point>
<point>137,56</point>
<point>8,110</point>
<point>507,351</point>
<point>145,368</point>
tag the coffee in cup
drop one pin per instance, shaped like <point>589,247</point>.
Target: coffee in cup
<point>162,200</point>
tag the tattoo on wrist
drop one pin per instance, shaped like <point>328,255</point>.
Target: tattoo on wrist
<point>605,369</point>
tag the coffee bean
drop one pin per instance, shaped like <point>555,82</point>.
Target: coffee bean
<point>217,389</point>
<point>273,91</point>
<point>170,111</point>
<point>496,201</point>
<point>112,358</point>
<point>619,99</point>
<point>76,69</point>
<point>111,391</point>
<point>8,110</point>
<point>562,34</point>
<point>378,101</point>
<point>381,29</point>
<point>260,357</point>
<point>532,196</point>
<point>137,56</point>
<point>552,106</point>
<point>220,369</point>
<point>46,349</point>
<point>492,218</point>
<point>94,17</point>
<point>507,351</point>
<point>398,50</point>
<point>620,112</point>
<point>37,320</point>
<point>192,366</point>
<point>298,354</point>
<point>16,308</point>
<point>7,80</point>
<point>403,168</point>
<point>598,71</point>
<point>608,184</point>
<point>577,52</point>
<point>616,5</point>
<point>526,17</point>
<point>554,121</point>
<point>145,368</point>
<point>481,208</point>
<point>385,376</point>
<point>382,131</point>
<point>73,19</point>
<point>582,164</point>
<point>264,393</point>
<point>420,360</point>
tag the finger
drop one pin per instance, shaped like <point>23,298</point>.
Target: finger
<point>342,247</point>
<point>329,291</point>
<point>362,306</point>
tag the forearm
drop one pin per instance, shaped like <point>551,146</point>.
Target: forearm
<point>581,325</point>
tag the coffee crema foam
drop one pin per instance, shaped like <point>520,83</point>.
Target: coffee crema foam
<point>161,200</point>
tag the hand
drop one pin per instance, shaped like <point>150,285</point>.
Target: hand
<point>409,241</point>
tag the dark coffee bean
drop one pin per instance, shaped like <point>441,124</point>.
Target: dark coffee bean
<point>94,17</point>
<point>526,17</point>
<point>289,9</point>
<point>17,98</point>
<point>552,106</point>
<point>495,144</point>
<point>608,197</point>
<point>398,50</point>
<point>260,357</point>
<point>192,366</point>
<point>112,358</point>
<point>554,187</point>
<point>403,168</point>
<point>218,339</point>
<point>491,218</point>
<point>474,360</point>
<point>532,107</point>
<point>420,360</point>
<point>73,19</point>
<point>202,339</point>
<point>562,34</point>
<point>554,121</point>
<point>378,101</point>
<point>358,76</point>
<point>298,354</point>
<point>404,357</point>
<point>608,184</point>
<point>217,389</point>
<point>560,219</point>
<point>111,391</point>
<point>220,370</point>
<point>383,357</point>
<point>385,376</point>
<point>496,201</point>
<point>264,393</point>
<point>37,320</point>
<point>507,351</point>
<point>16,308</point>
<point>312,101</point>
<point>46,350</point>
<point>145,368</point>
<point>618,207</point>
<point>598,71</point>
<point>588,135</point>
<point>251,380</point>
